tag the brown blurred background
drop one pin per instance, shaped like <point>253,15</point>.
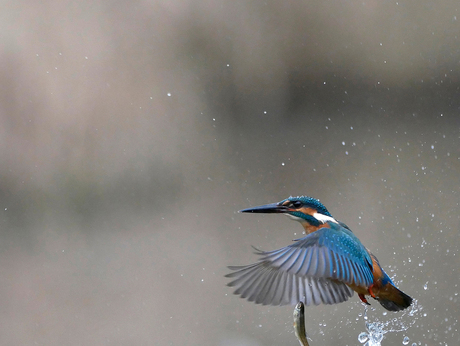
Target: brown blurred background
<point>133,131</point>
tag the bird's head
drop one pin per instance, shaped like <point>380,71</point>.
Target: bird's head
<point>310,212</point>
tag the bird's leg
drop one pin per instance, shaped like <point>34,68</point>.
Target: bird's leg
<point>363,299</point>
<point>370,291</point>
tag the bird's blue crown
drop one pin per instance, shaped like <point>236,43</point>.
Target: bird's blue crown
<point>310,202</point>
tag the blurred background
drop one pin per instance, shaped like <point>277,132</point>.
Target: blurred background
<point>132,132</point>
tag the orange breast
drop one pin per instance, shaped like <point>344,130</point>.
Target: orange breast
<point>377,283</point>
<point>310,228</point>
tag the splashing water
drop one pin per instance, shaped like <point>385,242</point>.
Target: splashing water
<point>374,335</point>
<point>375,331</point>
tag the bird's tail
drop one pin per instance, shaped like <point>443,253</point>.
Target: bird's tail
<point>394,299</point>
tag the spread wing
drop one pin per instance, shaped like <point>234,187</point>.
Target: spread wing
<point>315,269</point>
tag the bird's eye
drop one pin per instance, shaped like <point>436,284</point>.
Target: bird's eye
<point>297,204</point>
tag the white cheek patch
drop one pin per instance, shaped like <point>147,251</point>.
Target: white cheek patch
<point>324,218</point>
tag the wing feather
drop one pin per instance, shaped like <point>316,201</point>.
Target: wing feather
<point>315,268</point>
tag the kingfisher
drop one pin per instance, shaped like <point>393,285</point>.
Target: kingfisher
<point>326,266</point>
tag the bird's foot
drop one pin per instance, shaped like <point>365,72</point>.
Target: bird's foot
<point>363,299</point>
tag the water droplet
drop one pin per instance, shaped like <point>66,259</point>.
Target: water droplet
<point>405,340</point>
<point>425,287</point>
<point>363,337</point>
<point>169,94</point>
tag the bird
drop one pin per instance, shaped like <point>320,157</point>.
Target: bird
<point>326,266</point>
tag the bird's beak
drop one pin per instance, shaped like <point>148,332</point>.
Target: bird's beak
<point>271,208</point>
